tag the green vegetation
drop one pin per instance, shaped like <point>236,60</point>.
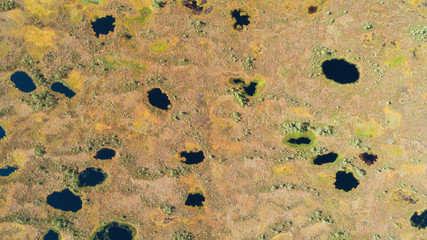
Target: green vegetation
<point>40,101</point>
<point>298,135</point>
<point>40,150</point>
<point>183,235</point>
<point>158,3</point>
<point>35,71</point>
<point>144,14</point>
<point>419,33</point>
<point>60,73</point>
<point>367,26</point>
<point>248,63</point>
<point>96,143</point>
<point>167,209</point>
<point>239,96</point>
<point>6,5</point>
<point>198,26</point>
<point>292,127</point>
<point>236,116</point>
<point>6,111</point>
<point>96,2</point>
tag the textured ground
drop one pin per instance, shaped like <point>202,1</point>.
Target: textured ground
<point>255,186</point>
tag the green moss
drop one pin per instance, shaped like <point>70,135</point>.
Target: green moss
<point>96,143</point>
<point>367,26</point>
<point>40,150</point>
<point>144,15</point>
<point>158,3</point>
<point>6,5</point>
<point>183,235</point>
<point>40,101</point>
<point>297,135</point>
<point>167,209</point>
<point>292,127</point>
<point>96,2</point>
<point>248,63</point>
<point>240,98</point>
<point>419,33</point>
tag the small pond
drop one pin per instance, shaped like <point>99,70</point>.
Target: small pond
<point>115,231</point>
<point>91,177</point>
<point>61,88</point>
<point>64,200</point>
<point>340,71</point>
<point>325,158</point>
<point>345,181</point>
<point>195,199</point>
<point>103,25</point>
<point>159,99</point>
<point>419,221</point>
<point>2,133</point>
<point>241,18</point>
<point>368,158</point>
<point>105,154</point>
<point>51,235</point>
<point>23,82</point>
<point>6,171</point>
<point>193,157</point>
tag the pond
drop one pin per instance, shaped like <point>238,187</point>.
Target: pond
<point>312,9</point>
<point>103,25</point>
<point>193,157</point>
<point>51,235</point>
<point>159,99</point>
<point>2,133</point>
<point>61,88</point>
<point>419,221</point>
<point>301,140</point>
<point>105,154</point>
<point>64,200</point>
<point>23,82</point>
<point>325,158</point>
<point>340,71</point>
<point>115,231</point>
<point>345,181</point>
<point>241,18</point>
<point>368,158</point>
<point>6,171</point>
<point>251,88</point>
<point>91,177</point>
<point>195,199</point>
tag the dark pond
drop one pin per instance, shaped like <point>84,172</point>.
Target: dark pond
<point>158,99</point>
<point>128,36</point>
<point>105,154</point>
<point>340,71</point>
<point>91,177</point>
<point>241,17</point>
<point>103,25</point>
<point>61,88</point>
<point>193,157</point>
<point>325,158</point>
<point>2,133</point>
<point>251,88</point>
<point>312,9</point>
<point>195,199</point>
<point>345,181</point>
<point>237,81</point>
<point>51,235</point>
<point>115,231</point>
<point>64,200</point>
<point>301,140</point>
<point>368,158</point>
<point>196,7</point>
<point>6,171</point>
<point>419,221</point>
<point>23,82</point>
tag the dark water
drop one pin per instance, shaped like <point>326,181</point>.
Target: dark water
<point>368,158</point>
<point>251,88</point>
<point>128,36</point>
<point>105,153</point>
<point>312,9</point>
<point>2,133</point>
<point>23,82</point>
<point>237,81</point>
<point>103,25</point>
<point>61,88</point>
<point>340,71</point>
<point>193,157</point>
<point>158,99</point>
<point>92,176</point>
<point>419,221</point>
<point>194,200</point>
<point>241,17</point>
<point>325,158</point>
<point>64,200</point>
<point>115,231</point>
<point>51,235</point>
<point>345,181</point>
<point>6,171</point>
<point>301,140</point>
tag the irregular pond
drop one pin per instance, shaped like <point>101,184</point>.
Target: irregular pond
<point>193,157</point>
<point>2,133</point>
<point>196,7</point>
<point>159,99</point>
<point>368,158</point>
<point>51,235</point>
<point>103,25</point>
<point>340,71</point>
<point>61,88</point>
<point>23,82</point>
<point>251,88</point>
<point>325,158</point>
<point>105,154</point>
<point>115,231</point>
<point>241,17</point>
<point>6,171</point>
<point>92,176</point>
<point>312,9</point>
<point>195,199</point>
<point>419,221</point>
<point>64,200</point>
<point>345,181</point>
<point>300,140</point>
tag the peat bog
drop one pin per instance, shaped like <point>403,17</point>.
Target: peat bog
<point>368,158</point>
